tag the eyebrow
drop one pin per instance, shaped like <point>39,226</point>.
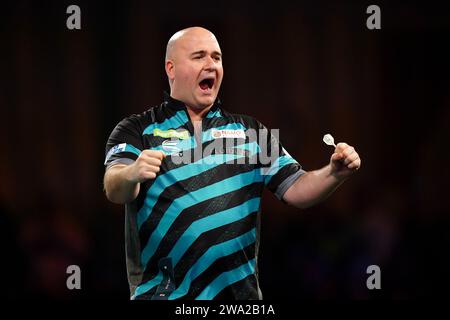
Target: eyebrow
<point>202,52</point>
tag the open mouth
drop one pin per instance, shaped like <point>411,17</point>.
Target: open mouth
<point>206,84</point>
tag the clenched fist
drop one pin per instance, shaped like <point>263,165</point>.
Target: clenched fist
<point>146,166</point>
<point>344,161</point>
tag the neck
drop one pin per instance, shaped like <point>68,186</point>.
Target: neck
<point>197,114</point>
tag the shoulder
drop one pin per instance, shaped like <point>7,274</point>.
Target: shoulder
<point>139,121</point>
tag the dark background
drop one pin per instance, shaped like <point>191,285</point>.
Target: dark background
<point>307,68</point>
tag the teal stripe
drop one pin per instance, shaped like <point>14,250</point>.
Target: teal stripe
<point>209,257</point>
<point>211,222</point>
<point>179,119</point>
<point>132,149</point>
<point>190,170</point>
<point>201,226</point>
<point>143,288</point>
<point>178,205</point>
<point>279,163</point>
<point>226,279</point>
<point>173,176</point>
<point>215,114</point>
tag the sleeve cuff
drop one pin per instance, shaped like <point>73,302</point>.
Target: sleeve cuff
<point>287,183</point>
<point>126,161</point>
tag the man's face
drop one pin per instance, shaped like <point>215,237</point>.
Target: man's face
<point>196,69</point>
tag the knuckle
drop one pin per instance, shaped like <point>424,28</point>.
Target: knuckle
<point>155,154</point>
<point>152,153</point>
<point>142,157</point>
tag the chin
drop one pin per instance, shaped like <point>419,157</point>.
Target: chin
<point>205,102</point>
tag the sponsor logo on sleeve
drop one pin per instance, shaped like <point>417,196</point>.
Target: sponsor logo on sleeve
<point>116,149</point>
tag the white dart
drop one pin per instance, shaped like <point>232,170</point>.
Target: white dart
<point>329,140</point>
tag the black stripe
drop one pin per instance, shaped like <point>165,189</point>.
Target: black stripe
<point>245,289</point>
<point>190,156</point>
<point>211,238</point>
<point>210,123</point>
<point>148,295</point>
<point>201,210</point>
<point>184,187</point>
<point>220,266</point>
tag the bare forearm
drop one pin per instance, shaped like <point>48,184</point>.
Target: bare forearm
<point>118,188</point>
<point>312,187</point>
<point>122,182</point>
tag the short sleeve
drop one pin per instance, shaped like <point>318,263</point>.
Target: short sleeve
<point>125,143</point>
<point>279,168</point>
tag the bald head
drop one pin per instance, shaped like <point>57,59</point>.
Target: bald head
<point>180,37</point>
<point>194,67</point>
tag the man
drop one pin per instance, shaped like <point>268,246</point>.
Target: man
<point>192,223</point>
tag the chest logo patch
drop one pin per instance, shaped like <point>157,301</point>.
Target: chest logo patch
<point>217,134</point>
<point>182,134</point>
<point>170,146</point>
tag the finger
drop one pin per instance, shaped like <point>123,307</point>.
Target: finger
<point>348,151</point>
<point>150,168</point>
<point>149,171</point>
<point>159,155</point>
<point>340,147</point>
<point>149,175</point>
<point>337,156</point>
<point>153,161</point>
<point>154,154</point>
<point>352,157</point>
<point>355,164</point>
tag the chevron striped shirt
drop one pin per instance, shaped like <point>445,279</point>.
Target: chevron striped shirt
<point>193,231</point>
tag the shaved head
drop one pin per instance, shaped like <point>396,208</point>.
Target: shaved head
<point>194,67</point>
<point>180,36</point>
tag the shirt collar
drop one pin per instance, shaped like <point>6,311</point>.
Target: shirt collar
<point>180,105</point>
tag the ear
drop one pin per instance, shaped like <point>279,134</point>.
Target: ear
<point>170,69</point>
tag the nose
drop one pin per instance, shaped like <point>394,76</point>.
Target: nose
<point>210,64</point>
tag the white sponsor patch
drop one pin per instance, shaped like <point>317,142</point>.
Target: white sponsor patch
<point>217,134</point>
